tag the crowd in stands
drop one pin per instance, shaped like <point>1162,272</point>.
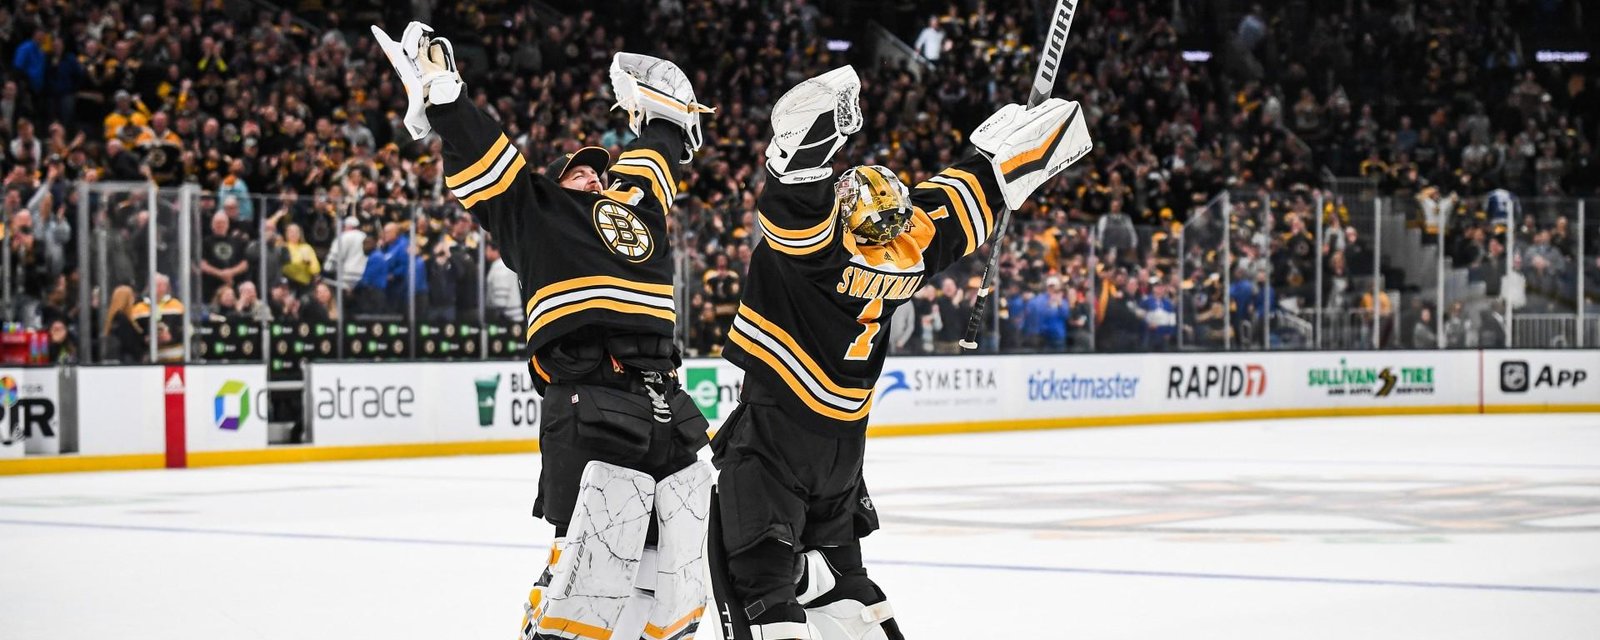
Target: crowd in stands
<point>317,204</point>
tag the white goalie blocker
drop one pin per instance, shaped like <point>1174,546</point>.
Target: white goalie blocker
<point>1028,146</point>
<point>605,583</point>
<point>811,122</point>
<point>649,88</point>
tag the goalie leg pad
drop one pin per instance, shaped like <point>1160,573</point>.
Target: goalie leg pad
<point>1028,146</point>
<point>850,605</point>
<point>595,576</point>
<point>683,502</point>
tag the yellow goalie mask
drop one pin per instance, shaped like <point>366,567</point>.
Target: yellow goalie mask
<point>873,204</point>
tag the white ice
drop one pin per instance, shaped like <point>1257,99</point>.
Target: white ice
<point>1450,527</point>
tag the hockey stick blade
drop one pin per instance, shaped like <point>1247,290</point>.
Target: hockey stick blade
<point>1044,82</point>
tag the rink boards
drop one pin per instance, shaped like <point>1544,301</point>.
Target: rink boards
<point>206,415</point>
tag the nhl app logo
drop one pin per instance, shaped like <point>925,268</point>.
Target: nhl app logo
<point>1514,376</point>
<point>622,231</point>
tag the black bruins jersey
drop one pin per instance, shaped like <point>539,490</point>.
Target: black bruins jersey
<point>815,302</point>
<point>590,260</point>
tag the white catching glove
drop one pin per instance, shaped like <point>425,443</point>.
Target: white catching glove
<point>648,88</point>
<point>1029,146</point>
<point>811,122</point>
<point>427,68</point>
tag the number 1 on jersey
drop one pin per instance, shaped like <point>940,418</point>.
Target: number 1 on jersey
<point>861,348</point>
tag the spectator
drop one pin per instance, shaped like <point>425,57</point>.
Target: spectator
<point>221,257</point>
<point>442,290</point>
<point>345,259</point>
<point>930,42</point>
<point>504,299</point>
<point>1422,334</point>
<point>162,315</point>
<point>62,348</point>
<point>1460,331</point>
<point>30,60</point>
<point>123,341</point>
<point>721,288</point>
<point>250,307</point>
<point>300,264</point>
<point>953,310</point>
<point>1160,317</point>
<point>1048,317</point>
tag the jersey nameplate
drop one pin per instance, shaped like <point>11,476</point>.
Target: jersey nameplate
<point>861,283</point>
<point>622,231</point>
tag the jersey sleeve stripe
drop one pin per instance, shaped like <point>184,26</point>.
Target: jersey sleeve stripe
<point>599,303</point>
<point>968,207</point>
<point>960,207</point>
<point>805,388</point>
<point>512,174</point>
<point>488,177</point>
<point>650,159</point>
<point>975,188</point>
<point>657,290</point>
<point>786,344</point>
<point>477,168</point>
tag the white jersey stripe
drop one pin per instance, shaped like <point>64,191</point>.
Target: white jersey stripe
<point>489,177</point>
<point>800,372</point>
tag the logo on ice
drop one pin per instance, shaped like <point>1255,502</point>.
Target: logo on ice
<point>1380,382</point>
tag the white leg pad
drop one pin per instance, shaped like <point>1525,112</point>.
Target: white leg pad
<point>683,509</point>
<point>850,620</point>
<point>595,577</point>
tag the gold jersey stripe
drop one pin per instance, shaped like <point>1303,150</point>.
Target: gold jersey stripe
<point>977,193</point>
<point>788,342</point>
<point>800,391</point>
<point>513,172</point>
<point>599,303</point>
<point>477,168</point>
<point>595,281</point>
<point>962,215</point>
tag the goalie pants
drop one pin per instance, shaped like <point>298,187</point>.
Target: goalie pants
<point>782,489</point>
<point>584,422</point>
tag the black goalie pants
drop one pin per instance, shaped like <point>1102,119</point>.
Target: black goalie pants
<point>782,489</point>
<point>582,422</point>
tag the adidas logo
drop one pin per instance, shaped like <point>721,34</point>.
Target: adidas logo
<point>175,383</point>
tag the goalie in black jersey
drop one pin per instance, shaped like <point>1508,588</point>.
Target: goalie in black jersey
<point>619,476</point>
<point>836,258</point>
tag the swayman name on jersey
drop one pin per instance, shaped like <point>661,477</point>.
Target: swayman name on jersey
<point>589,259</point>
<point>809,326</point>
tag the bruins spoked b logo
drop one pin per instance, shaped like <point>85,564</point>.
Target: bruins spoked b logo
<point>622,231</point>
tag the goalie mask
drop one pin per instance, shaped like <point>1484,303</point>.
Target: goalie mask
<point>873,204</point>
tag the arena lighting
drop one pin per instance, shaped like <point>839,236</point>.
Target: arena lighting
<point>839,45</point>
<point>1196,56</point>
<point>1546,55</point>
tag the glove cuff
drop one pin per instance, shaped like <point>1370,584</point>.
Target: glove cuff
<point>442,88</point>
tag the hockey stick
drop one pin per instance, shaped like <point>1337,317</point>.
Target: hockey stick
<point>1043,83</point>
